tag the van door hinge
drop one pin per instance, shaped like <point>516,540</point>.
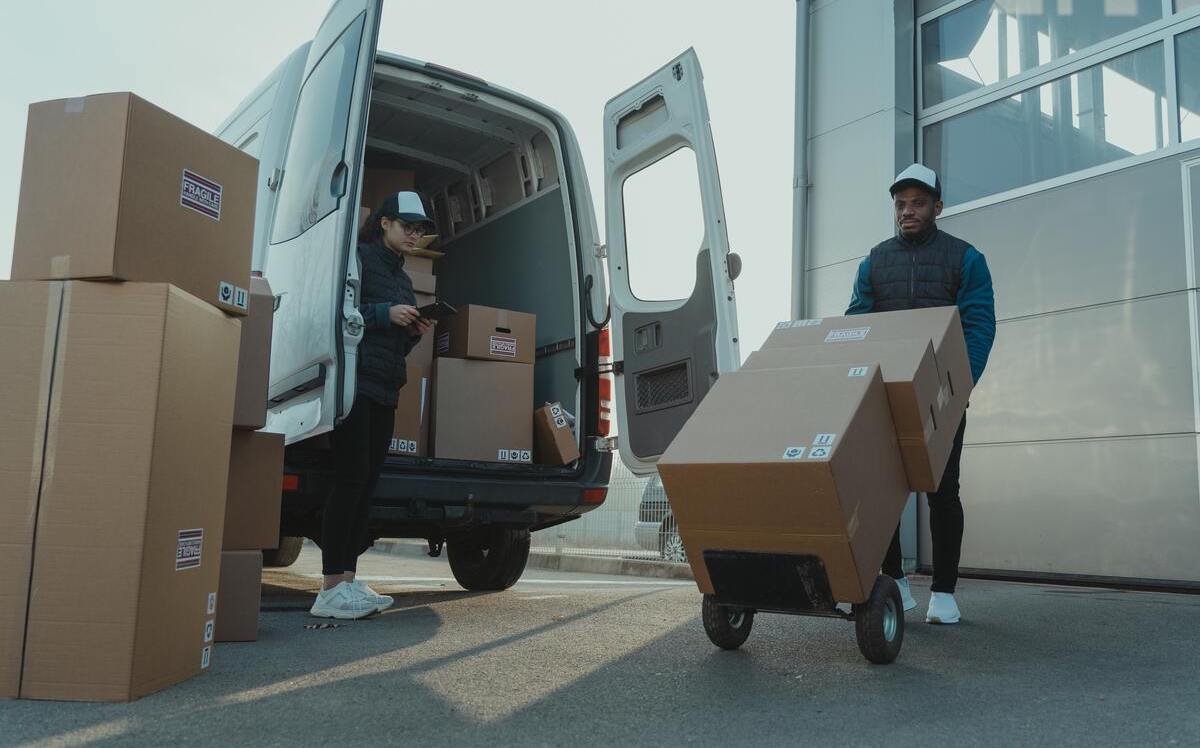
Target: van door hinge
<point>606,444</point>
<point>601,250</point>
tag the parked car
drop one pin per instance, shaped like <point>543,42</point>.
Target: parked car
<point>655,527</point>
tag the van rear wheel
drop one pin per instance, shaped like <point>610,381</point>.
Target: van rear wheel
<point>285,555</point>
<point>488,559</point>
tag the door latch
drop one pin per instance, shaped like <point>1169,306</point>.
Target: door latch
<point>275,179</point>
<point>601,250</point>
<point>606,444</point>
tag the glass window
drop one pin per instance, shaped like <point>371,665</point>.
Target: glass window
<point>989,41</point>
<point>1100,114</point>
<point>664,227</point>
<point>318,139</point>
<point>1187,60</point>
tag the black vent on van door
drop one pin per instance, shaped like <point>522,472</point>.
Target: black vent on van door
<point>663,387</point>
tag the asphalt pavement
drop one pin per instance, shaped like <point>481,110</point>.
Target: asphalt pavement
<point>575,659</point>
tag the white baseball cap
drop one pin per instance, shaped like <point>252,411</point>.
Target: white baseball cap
<point>406,206</point>
<point>920,176</point>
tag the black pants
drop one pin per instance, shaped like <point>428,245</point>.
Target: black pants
<point>360,444</point>
<point>945,526</point>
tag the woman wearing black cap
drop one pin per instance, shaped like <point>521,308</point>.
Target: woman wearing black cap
<point>360,443</point>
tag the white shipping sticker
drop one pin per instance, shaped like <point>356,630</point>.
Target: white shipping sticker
<point>443,343</point>
<point>824,440</point>
<point>560,422</point>
<point>404,446</point>
<point>241,298</point>
<point>212,603</point>
<point>819,453</point>
<point>790,323</point>
<point>845,334</point>
<point>501,346</point>
<point>514,455</point>
<point>205,657</point>
<point>858,371</point>
<point>189,548</point>
<point>200,194</point>
<point>225,293</point>
<point>208,631</point>
<point>556,410</point>
<point>793,453</point>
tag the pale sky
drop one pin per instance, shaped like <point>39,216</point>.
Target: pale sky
<point>199,61</point>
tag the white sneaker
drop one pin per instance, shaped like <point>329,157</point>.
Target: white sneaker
<point>906,596</point>
<point>381,602</point>
<point>342,601</point>
<point>942,608</point>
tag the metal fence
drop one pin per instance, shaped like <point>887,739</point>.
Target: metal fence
<point>634,522</point>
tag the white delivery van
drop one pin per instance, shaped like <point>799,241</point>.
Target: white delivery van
<point>504,178</point>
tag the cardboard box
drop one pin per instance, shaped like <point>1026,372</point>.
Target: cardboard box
<point>488,334</point>
<point>410,437</point>
<point>161,200</point>
<point>240,593</point>
<point>422,355</point>
<point>416,263</point>
<point>481,410</point>
<point>554,442</point>
<point>136,419</point>
<point>423,283</point>
<point>790,462</point>
<point>254,359</point>
<point>911,376</point>
<point>379,183</point>
<point>254,492</point>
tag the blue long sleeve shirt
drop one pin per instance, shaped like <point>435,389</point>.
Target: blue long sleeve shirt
<point>976,305</point>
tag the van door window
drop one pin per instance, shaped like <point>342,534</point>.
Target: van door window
<point>309,191</point>
<point>664,227</point>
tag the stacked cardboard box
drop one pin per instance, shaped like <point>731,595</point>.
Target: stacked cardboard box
<point>118,397</point>
<point>837,420</point>
<point>483,386</point>
<point>555,442</point>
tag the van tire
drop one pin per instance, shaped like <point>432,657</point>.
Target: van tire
<point>488,559</point>
<point>285,555</point>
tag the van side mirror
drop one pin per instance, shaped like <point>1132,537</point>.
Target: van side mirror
<point>733,265</point>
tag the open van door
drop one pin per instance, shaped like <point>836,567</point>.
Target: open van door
<point>311,257</point>
<point>674,318</point>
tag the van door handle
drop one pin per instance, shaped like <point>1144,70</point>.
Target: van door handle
<point>337,185</point>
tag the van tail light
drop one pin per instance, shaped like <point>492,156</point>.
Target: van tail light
<point>291,483</point>
<point>604,404</point>
<point>594,495</point>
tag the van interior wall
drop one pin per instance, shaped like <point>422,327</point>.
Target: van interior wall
<point>521,261</point>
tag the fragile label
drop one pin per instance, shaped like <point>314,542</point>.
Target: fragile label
<point>225,293</point>
<point>404,446</point>
<point>208,630</point>
<point>514,455</point>
<point>443,343</point>
<point>858,371</point>
<point>212,603</point>
<point>824,440</point>
<point>849,333</point>
<point>205,657</point>
<point>788,324</point>
<point>819,453</point>
<point>793,453</point>
<point>501,346</point>
<point>560,422</point>
<point>188,549</point>
<point>200,194</point>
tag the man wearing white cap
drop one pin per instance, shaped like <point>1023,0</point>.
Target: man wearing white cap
<point>923,266</point>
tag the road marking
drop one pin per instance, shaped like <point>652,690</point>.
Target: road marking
<point>577,582</point>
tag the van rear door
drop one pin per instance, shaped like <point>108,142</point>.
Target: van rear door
<point>311,260</point>
<point>674,325</point>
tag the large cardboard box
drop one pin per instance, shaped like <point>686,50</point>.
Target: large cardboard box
<point>418,264</point>
<point>911,376</point>
<point>925,454</point>
<point>161,200</point>
<point>133,420</point>
<point>554,442</point>
<point>240,593</point>
<point>790,462</point>
<point>255,490</point>
<point>423,283</point>
<point>410,437</point>
<point>481,410</point>
<point>488,334</point>
<point>254,359</point>
<point>379,183</point>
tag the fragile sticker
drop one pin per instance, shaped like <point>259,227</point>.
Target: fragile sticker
<point>205,657</point>
<point>501,346</point>
<point>188,549</point>
<point>212,603</point>
<point>824,440</point>
<point>514,455</point>
<point>819,453</point>
<point>404,446</point>
<point>788,324</point>
<point>443,343</point>
<point>225,293</point>
<point>560,422</point>
<point>847,334</point>
<point>556,410</point>
<point>793,453</point>
<point>208,630</point>
<point>858,371</point>
<point>200,194</point>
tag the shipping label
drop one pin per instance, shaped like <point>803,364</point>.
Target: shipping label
<point>793,453</point>
<point>788,324</point>
<point>858,371</point>
<point>846,334</point>
<point>404,446</point>
<point>208,630</point>
<point>514,455</point>
<point>200,194</point>
<point>502,346</point>
<point>824,440</point>
<point>189,548</point>
<point>205,657</point>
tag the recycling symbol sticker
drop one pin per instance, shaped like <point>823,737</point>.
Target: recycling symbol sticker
<point>818,453</point>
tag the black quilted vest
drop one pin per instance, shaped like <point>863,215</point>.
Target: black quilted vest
<point>918,273</point>
<point>381,369</point>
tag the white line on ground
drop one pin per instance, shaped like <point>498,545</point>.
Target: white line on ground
<point>577,582</point>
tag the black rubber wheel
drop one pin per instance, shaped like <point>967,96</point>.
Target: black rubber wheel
<point>285,555</point>
<point>488,559</point>
<point>726,626</point>
<point>879,622</point>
